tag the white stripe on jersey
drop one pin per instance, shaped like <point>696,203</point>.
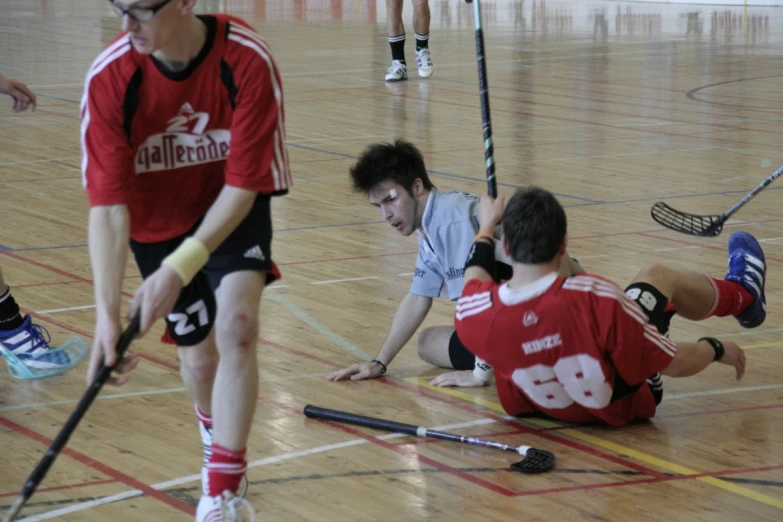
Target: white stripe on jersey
<point>469,298</point>
<point>263,45</point>
<point>279,165</point>
<point>460,315</point>
<point>464,307</point>
<point>605,289</point>
<point>473,304</point>
<point>109,54</point>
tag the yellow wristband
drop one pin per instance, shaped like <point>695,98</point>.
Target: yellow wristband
<point>483,235</point>
<point>188,259</point>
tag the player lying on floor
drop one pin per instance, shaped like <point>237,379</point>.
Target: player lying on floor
<point>395,180</point>
<point>578,349</point>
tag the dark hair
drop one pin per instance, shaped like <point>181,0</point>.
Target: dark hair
<point>400,161</point>
<point>534,224</point>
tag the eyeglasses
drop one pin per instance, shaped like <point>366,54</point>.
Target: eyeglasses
<point>139,14</point>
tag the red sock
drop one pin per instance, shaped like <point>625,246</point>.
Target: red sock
<point>203,417</point>
<point>730,298</point>
<point>226,468</point>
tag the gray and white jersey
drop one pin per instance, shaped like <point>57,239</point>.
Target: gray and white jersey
<point>449,225</point>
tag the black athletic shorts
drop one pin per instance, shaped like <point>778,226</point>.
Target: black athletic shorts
<point>247,248</point>
<point>461,358</point>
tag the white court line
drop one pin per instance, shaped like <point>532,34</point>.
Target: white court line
<point>81,506</point>
<point>38,161</point>
<point>327,332</point>
<point>407,274</point>
<point>721,392</point>
<point>128,395</point>
<point>675,248</point>
<point>84,505</point>
<point>57,310</point>
<point>343,280</point>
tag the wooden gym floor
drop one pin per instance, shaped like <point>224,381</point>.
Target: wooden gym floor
<point>611,105</point>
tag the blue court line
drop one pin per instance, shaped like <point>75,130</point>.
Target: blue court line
<point>441,173</point>
<point>607,102</point>
<point>32,249</point>
<point>292,229</point>
<point>438,172</point>
<point>57,98</point>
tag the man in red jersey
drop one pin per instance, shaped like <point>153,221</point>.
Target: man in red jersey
<point>578,349</point>
<point>183,142</point>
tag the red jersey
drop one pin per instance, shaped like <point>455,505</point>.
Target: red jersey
<point>165,143</point>
<point>559,346</point>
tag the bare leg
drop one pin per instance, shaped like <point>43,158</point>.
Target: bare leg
<point>394,26</point>
<point>236,383</point>
<point>691,292</point>
<point>433,345</point>
<point>197,367</point>
<point>421,17</point>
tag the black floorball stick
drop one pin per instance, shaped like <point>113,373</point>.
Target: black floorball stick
<point>535,461</point>
<point>40,471</point>
<point>707,225</point>
<point>489,151</point>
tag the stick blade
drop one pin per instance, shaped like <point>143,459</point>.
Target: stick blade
<point>535,461</point>
<point>691,224</point>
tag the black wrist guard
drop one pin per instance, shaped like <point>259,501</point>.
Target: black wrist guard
<point>482,255</point>
<point>716,345</point>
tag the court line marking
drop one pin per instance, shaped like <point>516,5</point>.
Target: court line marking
<point>327,332</point>
<point>343,280</point>
<point>618,449</point>
<point>69,309</point>
<point>47,515</point>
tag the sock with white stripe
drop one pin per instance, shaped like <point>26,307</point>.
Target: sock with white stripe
<point>397,44</point>
<point>422,41</point>
<point>226,469</point>
<point>10,316</point>
<point>730,298</point>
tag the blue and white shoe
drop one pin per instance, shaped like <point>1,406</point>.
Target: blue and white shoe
<point>748,268</point>
<point>29,356</point>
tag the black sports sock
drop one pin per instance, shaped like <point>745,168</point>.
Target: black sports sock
<point>10,318</point>
<point>397,44</point>
<point>422,41</point>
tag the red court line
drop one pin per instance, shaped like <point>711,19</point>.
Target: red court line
<point>715,474</point>
<point>417,442</point>
<point>480,411</point>
<point>102,468</point>
<point>52,283</point>
<point>543,434</point>
<point>67,486</point>
<point>407,453</point>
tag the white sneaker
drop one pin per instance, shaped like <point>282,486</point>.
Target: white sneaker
<point>206,440</point>
<point>424,60</point>
<point>225,508</point>
<point>397,72</point>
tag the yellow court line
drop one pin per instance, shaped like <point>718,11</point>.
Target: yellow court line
<point>761,345</point>
<point>612,446</point>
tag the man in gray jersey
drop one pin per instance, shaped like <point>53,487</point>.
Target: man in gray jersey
<point>395,180</point>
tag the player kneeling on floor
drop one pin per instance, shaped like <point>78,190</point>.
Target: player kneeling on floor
<point>579,349</point>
